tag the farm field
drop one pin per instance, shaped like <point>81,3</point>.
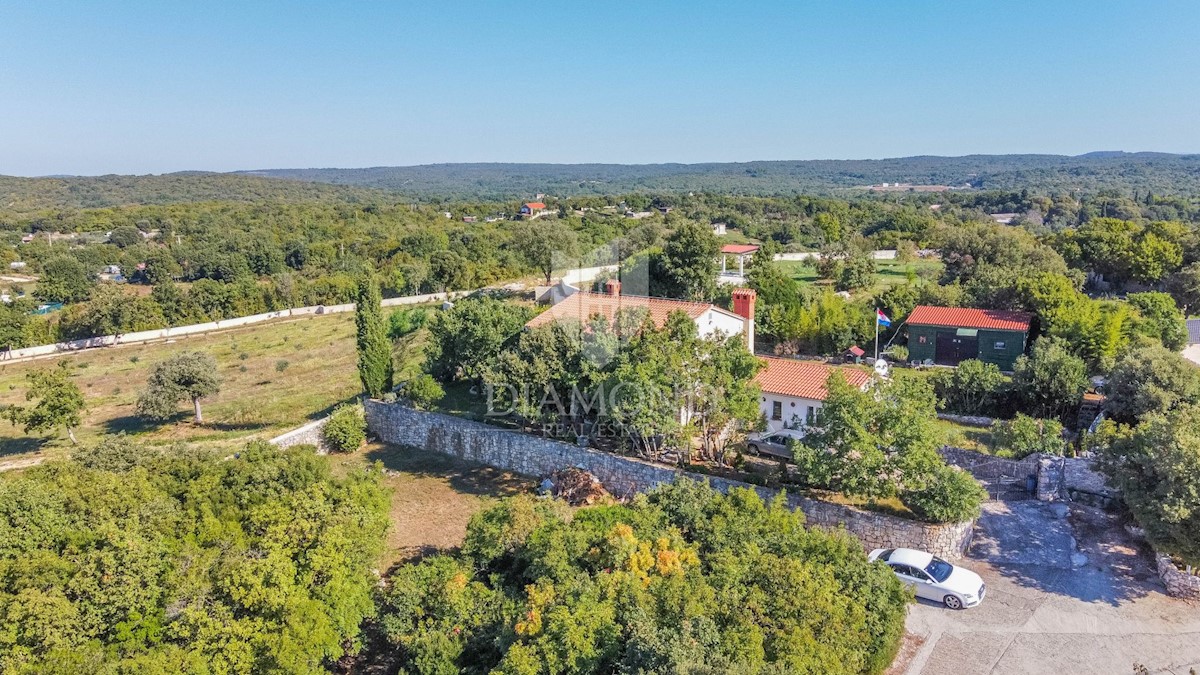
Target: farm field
<point>275,376</point>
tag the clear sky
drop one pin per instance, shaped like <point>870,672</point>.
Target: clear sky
<point>165,85</point>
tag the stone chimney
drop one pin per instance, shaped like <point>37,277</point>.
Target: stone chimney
<point>743,306</point>
<point>612,287</point>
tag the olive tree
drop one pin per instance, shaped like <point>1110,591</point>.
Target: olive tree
<point>59,402</point>
<point>184,376</point>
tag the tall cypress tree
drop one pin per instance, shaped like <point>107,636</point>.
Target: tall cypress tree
<point>374,347</point>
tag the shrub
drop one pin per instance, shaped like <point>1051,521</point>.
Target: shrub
<point>899,353</point>
<point>973,388</point>
<point>346,428</point>
<point>683,580</point>
<point>406,320</point>
<point>1025,435</point>
<point>949,495</point>
<point>423,392</point>
<point>281,365</point>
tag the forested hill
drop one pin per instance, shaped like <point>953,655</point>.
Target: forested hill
<point>1158,172</point>
<point>32,194</point>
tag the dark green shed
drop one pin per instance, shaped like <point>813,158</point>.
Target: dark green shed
<point>949,335</point>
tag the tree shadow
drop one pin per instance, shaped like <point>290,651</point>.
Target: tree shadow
<point>10,447</point>
<point>1075,551</point>
<point>463,476</point>
<point>132,424</point>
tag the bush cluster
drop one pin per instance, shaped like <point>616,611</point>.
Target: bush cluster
<point>346,428</point>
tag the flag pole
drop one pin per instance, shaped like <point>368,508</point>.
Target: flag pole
<point>876,333</point>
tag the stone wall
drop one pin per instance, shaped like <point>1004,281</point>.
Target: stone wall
<point>624,476</point>
<point>1179,584</point>
<point>309,434</point>
<point>1075,479</point>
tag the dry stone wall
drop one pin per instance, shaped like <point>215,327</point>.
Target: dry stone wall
<point>309,434</point>
<point>624,476</point>
<point>1179,584</point>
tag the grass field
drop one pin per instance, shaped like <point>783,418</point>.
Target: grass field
<point>888,273</point>
<point>275,376</point>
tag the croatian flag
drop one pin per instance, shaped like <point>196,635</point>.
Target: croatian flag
<point>881,318</point>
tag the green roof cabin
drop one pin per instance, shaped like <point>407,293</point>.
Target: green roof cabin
<point>947,336</point>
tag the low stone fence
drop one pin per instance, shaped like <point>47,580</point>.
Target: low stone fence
<point>1179,584</point>
<point>1057,478</point>
<point>624,476</point>
<point>309,434</point>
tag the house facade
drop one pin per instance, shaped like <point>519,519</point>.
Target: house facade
<point>946,336</point>
<point>793,391</point>
<point>532,210</point>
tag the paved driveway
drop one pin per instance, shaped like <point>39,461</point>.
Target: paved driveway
<point>1068,592</point>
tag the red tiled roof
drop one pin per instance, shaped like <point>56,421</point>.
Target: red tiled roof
<point>583,306</point>
<point>856,350</point>
<point>966,317</point>
<point>536,205</point>
<point>803,379</point>
<point>738,249</point>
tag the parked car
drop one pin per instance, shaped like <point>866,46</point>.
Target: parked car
<point>774,443</point>
<point>933,578</point>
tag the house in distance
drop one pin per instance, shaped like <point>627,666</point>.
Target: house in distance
<point>946,336</point>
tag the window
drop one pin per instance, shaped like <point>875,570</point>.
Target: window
<point>776,410</point>
<point>999,345</point>
<point>812,414</point>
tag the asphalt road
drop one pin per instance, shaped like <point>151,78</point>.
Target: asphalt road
<point>1069,591</point>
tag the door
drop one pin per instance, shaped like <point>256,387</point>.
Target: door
<point>916,580</point>
<point>951,349</point>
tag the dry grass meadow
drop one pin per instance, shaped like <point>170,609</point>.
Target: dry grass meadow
<point>275,376</point>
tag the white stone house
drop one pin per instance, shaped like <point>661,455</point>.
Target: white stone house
<point>793,391</point>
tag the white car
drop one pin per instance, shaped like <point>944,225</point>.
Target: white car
<point>933,578</point>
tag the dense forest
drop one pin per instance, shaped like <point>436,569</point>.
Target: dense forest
<point>1157,172</point>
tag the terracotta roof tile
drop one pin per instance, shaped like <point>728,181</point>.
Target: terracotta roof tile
<point>803,379</point>
<point>738,249</point>
<point>583,306</point>
<point>966,317</point>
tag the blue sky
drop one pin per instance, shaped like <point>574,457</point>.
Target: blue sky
<point>150,87</point>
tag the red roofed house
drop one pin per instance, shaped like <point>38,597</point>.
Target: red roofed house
<point>532,210</point>
<point>793,391</point>
<point>710,319</point>
<point>949,335</point>
<point>741,252</point>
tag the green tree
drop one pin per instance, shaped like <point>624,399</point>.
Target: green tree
<point>973,388</point>
<point>1156,466</point>
<point>1184,286</point>
<point>875,443</point>
<point>188,376</point>
<point>124,236</point>
<point>1150,379</point>
<point>14,322</point>
<point>371,339</point>
<point>1024,435</point>
<point>688,266</point>
<point>1154,258</point>
<point>857,272</point>
<point>544,242</point>
<point>448,270</point>
<point>465,338</point>
<point>1158,317</point>
<point>63,279</point>
<point>1050,380</point>
<point>59,402</point>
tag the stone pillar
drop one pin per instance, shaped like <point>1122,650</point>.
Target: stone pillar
<point>1049,478</point>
